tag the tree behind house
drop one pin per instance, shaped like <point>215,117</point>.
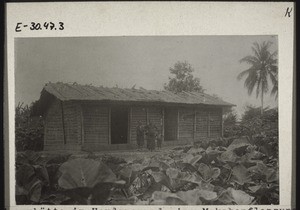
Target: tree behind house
<point>183,79</point>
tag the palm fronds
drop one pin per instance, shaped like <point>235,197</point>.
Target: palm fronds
<point>263,65</point>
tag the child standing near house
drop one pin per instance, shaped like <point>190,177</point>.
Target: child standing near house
<point>140,135</point>
<point>151,132</point>
<point>159,140</point>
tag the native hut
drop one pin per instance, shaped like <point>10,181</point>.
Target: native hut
<point>85,117</point>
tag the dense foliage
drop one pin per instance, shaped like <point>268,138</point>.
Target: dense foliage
<point>261,130</point>
<point>29,130</point>
<point>225,171</point>
<point>183,79</point>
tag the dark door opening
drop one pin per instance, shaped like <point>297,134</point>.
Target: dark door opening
<point>170,124</point>
<point>119,125</point>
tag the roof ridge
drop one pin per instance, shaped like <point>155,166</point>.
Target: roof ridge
<point>77,91</point>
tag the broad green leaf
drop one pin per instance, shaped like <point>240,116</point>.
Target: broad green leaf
<point>20,190</point>
<point>208,173</point>
<point>270,174</point>
<point>172,173</point>
<point>194,151</point>
<point>194,160</point>
<point>191,159</point>
<point>136,167</point>
<point>238,143</point>
<point>207,195</point>
<point>240,197</point>
<point>126,172</point>
<point>241,175</point>
<point>84,173</point>
<point>228,156</point>
<point>185,176</point>
<point>24,174</point>
<point>166,198</point>
<point>212,153</point>
<point>225,197</point>
<point>174,201</point>
<point>140,184</point>
<point>190,197</point>
<point>255,188</point>
<point>206,186</point>
<point>186,158</point>
<point>42,173</point>
<point>35,191</point>
<point>161,177</point>
<point>159,195</point>
<point>28,183</point>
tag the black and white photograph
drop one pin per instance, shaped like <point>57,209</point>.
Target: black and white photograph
<point>149,106</point>
<point>147,120</point>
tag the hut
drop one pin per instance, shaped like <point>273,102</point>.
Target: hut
<point>89,118</point>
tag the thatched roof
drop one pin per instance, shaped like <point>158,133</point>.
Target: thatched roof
<point>68,92</point>
<point>76,92</point>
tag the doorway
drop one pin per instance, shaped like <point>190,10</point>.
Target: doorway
<point>119,125</point>
<point>170,124</point>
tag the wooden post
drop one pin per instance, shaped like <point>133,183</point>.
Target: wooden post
<point>82,125</point>
<point>163,125</point>
<point>147,116</point>
<point>63,121</point>
<point>222,123</point>
<point>129,125</point>
<point>45,127</point>
<point>177,124</point>
<point>208,124</point>
<point>195,125</point>
<point>109,125</point>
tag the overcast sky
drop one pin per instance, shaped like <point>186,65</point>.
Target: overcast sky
<point>144,61</point>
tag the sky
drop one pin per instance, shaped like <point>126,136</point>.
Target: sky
<point>142,61</point>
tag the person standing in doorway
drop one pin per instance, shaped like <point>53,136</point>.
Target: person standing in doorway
<point>151,132</point>
<point>140,135</point>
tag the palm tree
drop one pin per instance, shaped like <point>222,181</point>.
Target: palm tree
<point>263,69</point>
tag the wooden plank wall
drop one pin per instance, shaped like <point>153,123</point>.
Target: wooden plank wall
<point>96,124</point>
<point>201,124</point>
<point>137,114</point>
<point>155,116</point>
<point>208,124</point>
<point>72,122</point>
<point>53,133</point>
<point>186,124</point>
<point>95,121</point>
<point>215,123</point>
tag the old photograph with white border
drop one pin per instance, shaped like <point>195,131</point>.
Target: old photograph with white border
<point>149,105</point>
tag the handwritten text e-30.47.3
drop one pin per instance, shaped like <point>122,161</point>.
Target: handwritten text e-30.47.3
<point>35,26</point>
